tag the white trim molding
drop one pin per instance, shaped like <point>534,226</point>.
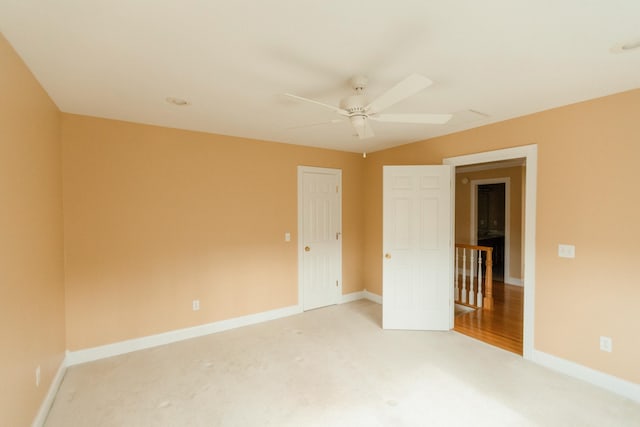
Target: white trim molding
<point>45,406</point>
<point>122,347</point>
<point>353,296</point>
<point>513,281</point>
<point>372,297</point>
<point>128,346</point>
<point>530,154</point>
<point>609,382</point>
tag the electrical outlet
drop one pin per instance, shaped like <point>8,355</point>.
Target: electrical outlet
<point>38,376</point>
<point>195,305</point>
<point>566,251</point>
<point>606,344</point>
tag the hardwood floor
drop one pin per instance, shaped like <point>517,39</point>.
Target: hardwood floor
<point>502,326</point>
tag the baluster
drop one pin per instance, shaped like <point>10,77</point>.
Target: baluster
<point>463,297</point>
<point>456,290</point>
<point>472,268</point>
<point>479,304</point>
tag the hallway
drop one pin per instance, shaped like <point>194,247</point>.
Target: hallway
<point>502,326</point>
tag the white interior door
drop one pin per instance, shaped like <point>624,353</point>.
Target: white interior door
<point>320,238</point>
<point>417,288</point>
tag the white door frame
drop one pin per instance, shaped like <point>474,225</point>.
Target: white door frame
<point>301,171</point>
<point>507,217</point>
<point>530,153</point>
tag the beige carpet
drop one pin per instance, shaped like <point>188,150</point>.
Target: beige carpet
<point>330,367</point>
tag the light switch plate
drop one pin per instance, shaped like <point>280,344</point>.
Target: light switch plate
<point>566,251</point>
<point>287,237</point>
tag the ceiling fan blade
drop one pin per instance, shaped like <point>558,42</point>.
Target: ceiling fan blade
<point>362,127</point>
<point>322,104</point>
<point>407,87</point>
<point>435,119</point>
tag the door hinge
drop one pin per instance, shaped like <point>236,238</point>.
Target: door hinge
<point>336,283</point>
<point>337,189</point>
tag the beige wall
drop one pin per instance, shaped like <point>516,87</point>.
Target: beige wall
<point>157,217</point>
<point>587,182</point>
<point>31,266</point>
<point>463,211</point>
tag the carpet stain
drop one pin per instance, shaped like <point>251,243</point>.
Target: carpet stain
<point>71,395</point>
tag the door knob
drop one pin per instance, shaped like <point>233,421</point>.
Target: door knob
<point>307,248</point>
<point>387,256</point>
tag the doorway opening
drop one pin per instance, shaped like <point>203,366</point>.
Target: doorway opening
<point>490,223</point>
<point>492,200</point>
<point>514,294</point>
<point>490,218</point>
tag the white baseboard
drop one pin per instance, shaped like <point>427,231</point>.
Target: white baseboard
<point>122,347</point>
<point>609,382</point>
<point>45,406</point>
<point>372,297</point>
<point>514,281</point>
<point>353,296</point>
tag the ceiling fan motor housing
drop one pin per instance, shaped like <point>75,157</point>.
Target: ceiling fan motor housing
<point>354,104</point>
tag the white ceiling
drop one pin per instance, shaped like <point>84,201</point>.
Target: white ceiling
<point>233,60</point>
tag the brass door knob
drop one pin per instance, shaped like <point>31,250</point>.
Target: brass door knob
<point>387,256</point>
<point>307,248</point>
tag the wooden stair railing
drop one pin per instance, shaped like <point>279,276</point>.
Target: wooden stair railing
<point>476,291</point>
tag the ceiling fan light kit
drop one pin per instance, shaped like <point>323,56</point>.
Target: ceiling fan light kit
<point>359,111</point>
<point>361,126</point>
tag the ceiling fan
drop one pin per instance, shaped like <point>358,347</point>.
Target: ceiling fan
<point>360,112</point>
